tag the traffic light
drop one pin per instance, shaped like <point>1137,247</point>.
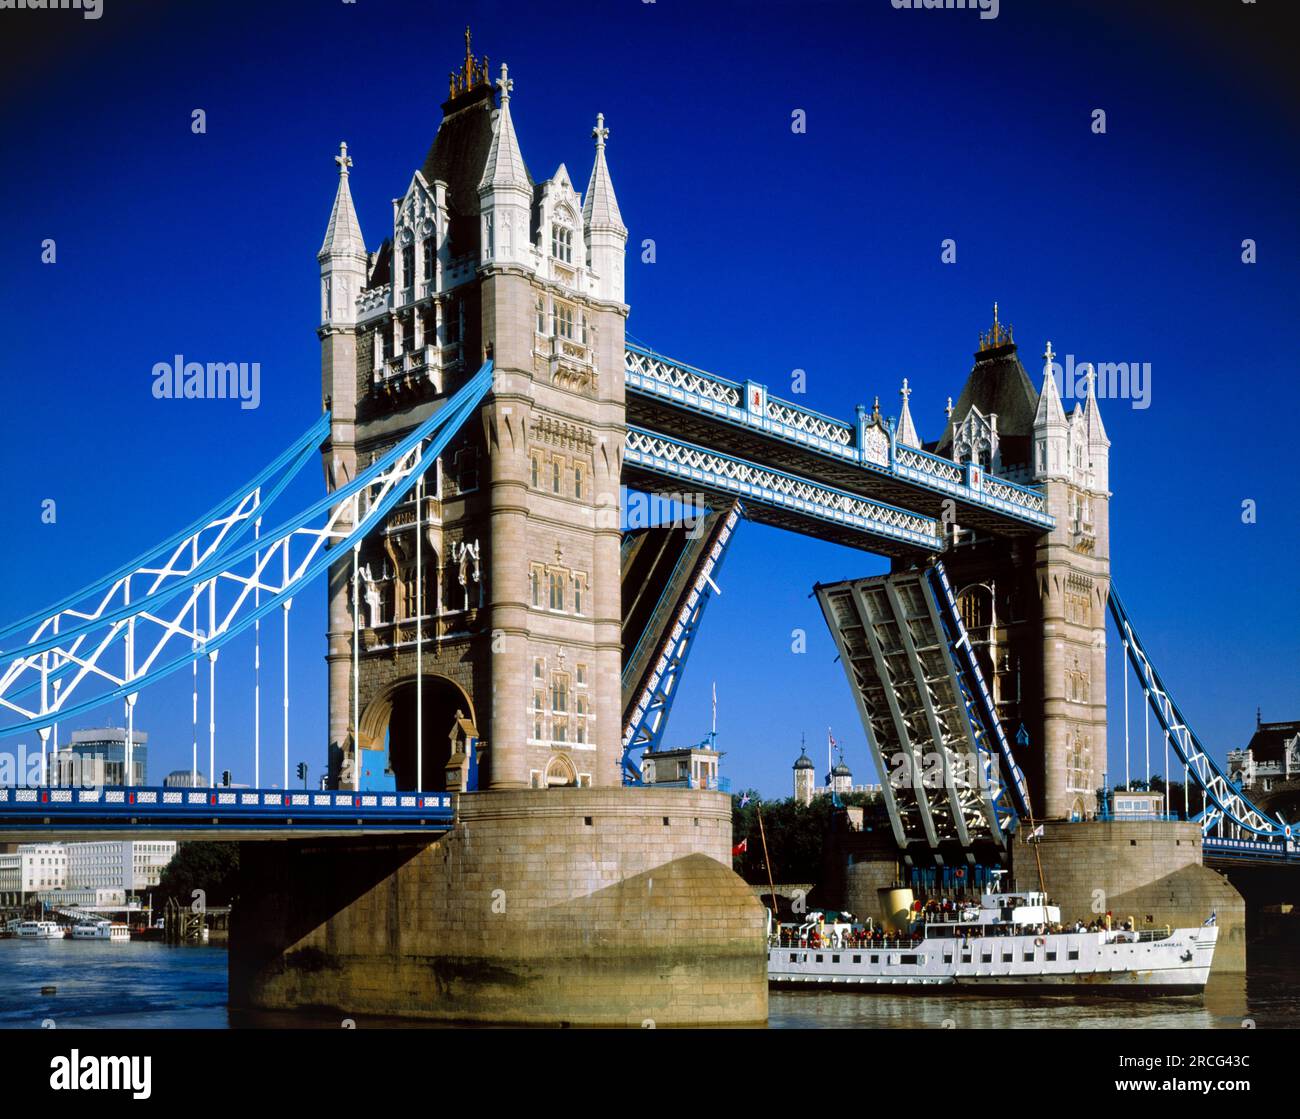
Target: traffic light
<point>302,773</point>
<point>225,778</point>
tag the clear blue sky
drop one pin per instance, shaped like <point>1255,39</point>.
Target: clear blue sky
<point>775,251</point>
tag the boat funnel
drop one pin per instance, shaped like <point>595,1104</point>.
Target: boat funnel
<point>896,904</point>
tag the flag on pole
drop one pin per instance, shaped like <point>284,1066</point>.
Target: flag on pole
<point>744,800</point>
<point>1037,833</point>
<point>1213,918</point>
<point>740,848</point>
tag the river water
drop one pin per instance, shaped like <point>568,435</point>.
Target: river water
<point>154,986</point>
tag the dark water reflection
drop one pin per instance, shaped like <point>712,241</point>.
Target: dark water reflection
<point>151,986</point>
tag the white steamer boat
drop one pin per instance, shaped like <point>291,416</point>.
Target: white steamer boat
<point>1002,945</point>
<point>38,930</point>
<point>101,930</point>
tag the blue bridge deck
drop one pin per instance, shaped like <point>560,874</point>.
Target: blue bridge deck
<point>252,813</point>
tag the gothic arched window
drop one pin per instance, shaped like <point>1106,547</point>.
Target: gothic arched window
<point>561,242</point>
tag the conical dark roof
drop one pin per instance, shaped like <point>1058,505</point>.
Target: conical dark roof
<point>457,156</point>
<point>998,384</point>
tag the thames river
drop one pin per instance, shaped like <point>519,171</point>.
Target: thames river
<point>154,986</point>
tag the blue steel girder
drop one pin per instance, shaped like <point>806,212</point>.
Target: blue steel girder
<point>744,420</point>
<point>775,497</point>
<point>645,726</point>
<point>56,811</point>
<point>1225,802</point>
<point>1006,776</point>
<point>136,644</point>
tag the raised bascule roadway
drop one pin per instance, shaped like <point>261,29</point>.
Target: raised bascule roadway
<point>504,653</point>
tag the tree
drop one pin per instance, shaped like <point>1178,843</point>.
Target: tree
<point>210,867</point>
<point>796,836</point>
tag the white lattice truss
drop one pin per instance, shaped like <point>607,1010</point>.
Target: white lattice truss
<point>802,420</point>
<point>711,470</point>
<point>694,388</point>
<point>196,605</point>
<point>1223,800</point>
<point>62,641</point>
<point>929,464</point>
<point>682,377</point>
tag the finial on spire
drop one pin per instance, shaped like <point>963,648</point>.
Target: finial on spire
<point>998,335</point>
<point>1048,358</point>
<point>904,392</point>
<point>875,408</point>
<point>343,160</point>
<point>600,133</point>
<point>948,410</point>
<point>505,84</point>
<point>472,73</point>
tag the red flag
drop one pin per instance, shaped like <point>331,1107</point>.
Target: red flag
<point>740,848</point>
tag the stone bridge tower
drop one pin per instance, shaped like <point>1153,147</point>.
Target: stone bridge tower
<point>518,633</point>
<point>1036,609</point>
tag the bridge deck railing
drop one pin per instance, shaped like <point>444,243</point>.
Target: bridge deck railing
<point>20,805</point>
<point>749,405</point>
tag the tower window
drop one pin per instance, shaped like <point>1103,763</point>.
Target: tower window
<point>561,243</point>
<point>563,321</point>
<point>427,248</point>
<point>577,481</point>
<point>535,597</point>
<point>541,315</point>
<point>408,266</point>
<point>560,694</point>
<point>451,323</point>
<point>577,595</point>
<point>555,477</point>
<point>557,591</point>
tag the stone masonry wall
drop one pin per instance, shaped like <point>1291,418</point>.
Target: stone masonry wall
<point>584,906</point>
<point>1134,869</point>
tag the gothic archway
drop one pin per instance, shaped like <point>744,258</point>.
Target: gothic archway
<point>560,772</point>
<point>389,723</point>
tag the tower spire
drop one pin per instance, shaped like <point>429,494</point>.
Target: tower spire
<point>603,227</point>
<point>599,205</point>
<point>907,435</point>
<point>505,166</point>
<point>343,233</point>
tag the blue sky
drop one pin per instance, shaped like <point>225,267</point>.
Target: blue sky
<point>775,251</point>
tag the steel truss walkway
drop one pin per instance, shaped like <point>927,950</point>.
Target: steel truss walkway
<point>742,420</point>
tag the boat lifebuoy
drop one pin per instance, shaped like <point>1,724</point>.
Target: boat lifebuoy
<point>1039,941</point>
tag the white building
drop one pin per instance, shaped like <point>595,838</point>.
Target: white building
<point>33,867</point>
<point>126,864</point>
<point>117,868</point>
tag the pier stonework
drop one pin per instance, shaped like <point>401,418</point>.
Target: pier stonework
<point>1138,869</point>
<point>575,906</point>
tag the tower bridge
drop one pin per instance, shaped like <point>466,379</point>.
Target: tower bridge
<point>503,650</point>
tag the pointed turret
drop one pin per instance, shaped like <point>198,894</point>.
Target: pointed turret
<point>1051,429</point>
<point>603,223</point>
<point>906,435</point>
<point>342,256</point>
<point>505,166</point>
<point>506,189</point>
<point>1098,442</point>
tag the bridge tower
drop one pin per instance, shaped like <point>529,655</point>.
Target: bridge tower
<point>517,639</point>
<point>1036,609</point>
